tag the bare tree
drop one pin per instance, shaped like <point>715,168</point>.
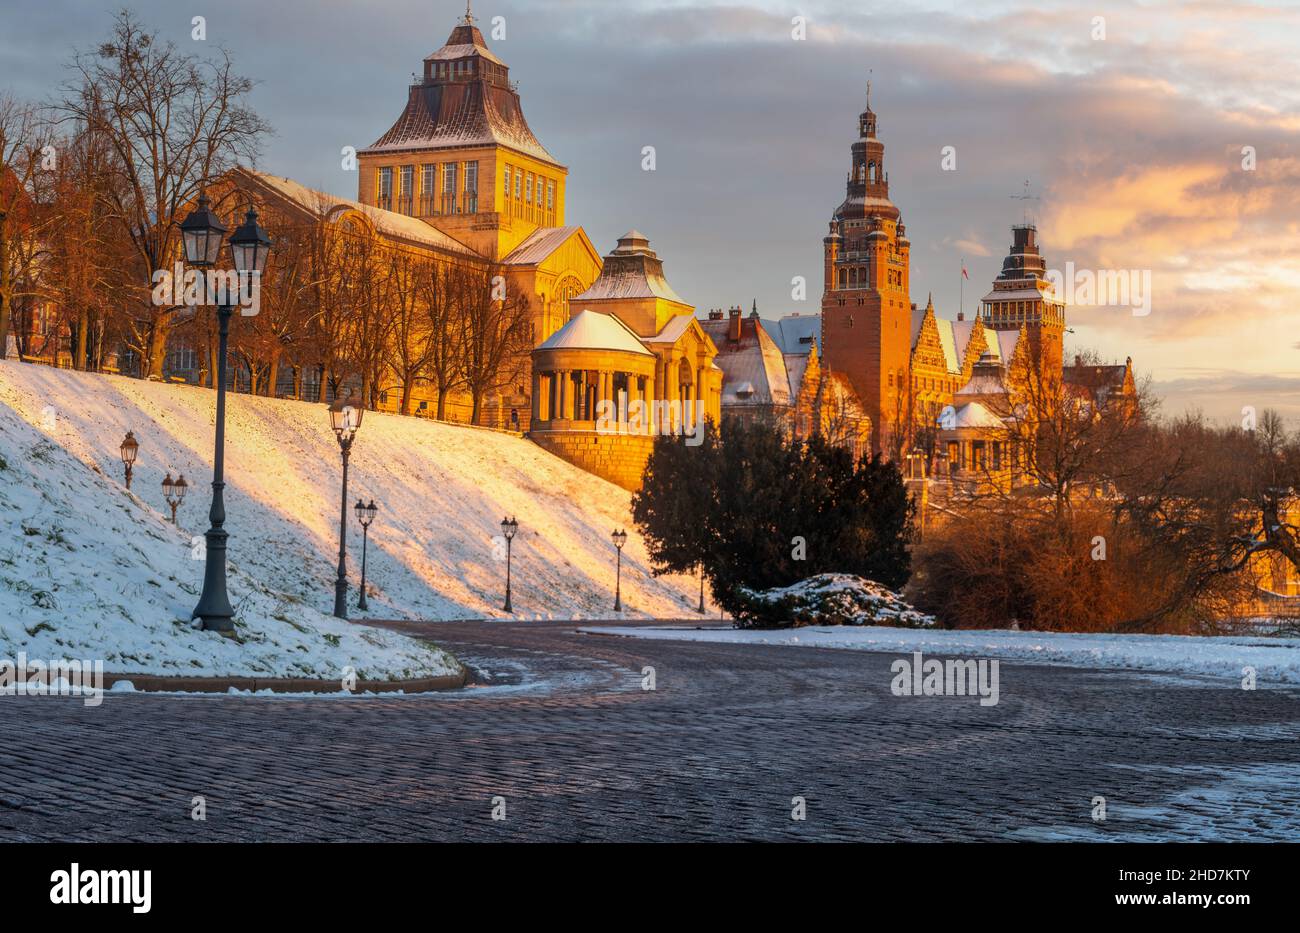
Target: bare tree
<point>498,333</point>
<point>24,136</point>
<point>446,332</point>
<point>174,122</point>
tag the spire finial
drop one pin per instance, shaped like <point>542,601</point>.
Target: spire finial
<point>869,72</point>
<point>469,16</point>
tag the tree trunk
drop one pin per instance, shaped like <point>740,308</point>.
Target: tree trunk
<point>441,414</point>
<point>152,364</point>
<point>79,360</point>
<point>5,288</point>
<point>273,376</point>
<point>297,383</point>
<point>406,395</point>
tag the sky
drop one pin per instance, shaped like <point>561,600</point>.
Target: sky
<point>1129,120</point>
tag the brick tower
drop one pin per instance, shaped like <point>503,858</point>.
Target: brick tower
<point>866,311</point>
<point>1022,296</point>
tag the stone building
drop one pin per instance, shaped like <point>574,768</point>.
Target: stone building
<point>631,363</point>
<point>763,380</point>
<point>908,364</point>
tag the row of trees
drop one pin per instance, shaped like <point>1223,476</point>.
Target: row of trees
<point>92,188</point>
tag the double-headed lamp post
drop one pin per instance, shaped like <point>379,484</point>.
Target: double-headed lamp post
<point>365,515</point>
<point>174,492</point>
<point>509,528</point>
<point>202,233</point>
<point>345,419</point>
<point>620,538</point>
<point>130,447</point>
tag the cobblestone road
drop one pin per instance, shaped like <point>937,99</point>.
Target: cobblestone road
<point>579,751</point>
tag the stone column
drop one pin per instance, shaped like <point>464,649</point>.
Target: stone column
<point>535,403</point>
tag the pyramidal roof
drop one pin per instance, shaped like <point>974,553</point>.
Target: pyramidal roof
<point>632,270</point>
<point>465,99</point>
<point>591,330</point>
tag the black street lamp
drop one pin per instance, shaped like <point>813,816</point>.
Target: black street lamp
<point>620,539</point>
<point>345,419</point>
<point>365,515</point>
<point>201,234</point>
<point>130,446</point>
<point>509,528</point>
<point>174,492</point>
<point>701,609</point>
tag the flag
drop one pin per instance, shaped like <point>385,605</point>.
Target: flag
<point>964,273</point>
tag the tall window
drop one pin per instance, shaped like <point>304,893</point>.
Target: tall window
<point>550,198</point>
<point>507,189</point>
<point>528,189</point>
<point>406,196</point>
<point>428,190</point>
<point>471,187</point>
<point>449,188</point>
<point>384,197</point>
<point>519,185</point>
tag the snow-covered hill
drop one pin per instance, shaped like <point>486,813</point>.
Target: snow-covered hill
<point>90,570</point>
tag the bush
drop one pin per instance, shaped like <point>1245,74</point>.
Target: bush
<point>759,510</point>
<point>827,599</point>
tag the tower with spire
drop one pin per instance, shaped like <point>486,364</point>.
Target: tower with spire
<point>866,310</point>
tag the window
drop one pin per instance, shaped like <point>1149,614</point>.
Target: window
<point>449,188</point>
<point>471,187</point>
<point>550,195</point>
<point>519,185</point>
<point>528,190</point>
<point>428,190</point>
<point>507,178</point>
<point>384,198</point>
<point>406,196</point>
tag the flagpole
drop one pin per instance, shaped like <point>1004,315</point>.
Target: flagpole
<point>961,286</point>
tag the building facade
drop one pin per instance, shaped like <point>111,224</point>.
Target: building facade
<point>633,362</point>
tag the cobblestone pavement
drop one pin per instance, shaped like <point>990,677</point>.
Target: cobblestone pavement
<point>579,751</point>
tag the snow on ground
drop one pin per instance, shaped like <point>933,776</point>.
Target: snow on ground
<point>1276,661</point>
<point>86,565</point>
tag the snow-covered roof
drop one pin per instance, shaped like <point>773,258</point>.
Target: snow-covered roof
<point>389,223</point>
<point>591,330</point>
<point>673,330</point>
<point>538,245</point>
<point>974,415</point>
<point>632,270</point>
<point>795,333</point>
<point>753,367</point>
<point>983,384</point>
<point>461,50</point>
<point>948,341</point>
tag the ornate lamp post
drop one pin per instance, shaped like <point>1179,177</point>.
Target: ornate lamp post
<point>174,492</point>
<point>509,528</point>
<point>130,446</point>
<point>345,419</point>
<point>365,515</point>
<point>202,233</point>
<point>620,539</point>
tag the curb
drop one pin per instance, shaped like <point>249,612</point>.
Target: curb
<point>154,683</point>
